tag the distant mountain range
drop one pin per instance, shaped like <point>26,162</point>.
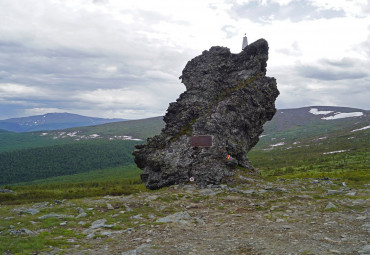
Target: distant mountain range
<point>291,124</point>
<point>288,128</point>
<point>51,121</point>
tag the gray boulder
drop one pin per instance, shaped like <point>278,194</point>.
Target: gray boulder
<point>31,211</point>
<point>215,122</point>
<point>54,215</point>
<point>330,205</point>
<point>180,217</point>
<point>365,250</point>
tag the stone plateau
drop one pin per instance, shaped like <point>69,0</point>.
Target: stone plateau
<point>215,122</point>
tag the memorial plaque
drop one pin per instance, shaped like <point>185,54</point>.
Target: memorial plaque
<point>201,141</point>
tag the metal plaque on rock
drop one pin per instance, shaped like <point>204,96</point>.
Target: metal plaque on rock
<point>201,141</point>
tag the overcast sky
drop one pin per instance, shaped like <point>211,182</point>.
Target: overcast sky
<point>122,58</point>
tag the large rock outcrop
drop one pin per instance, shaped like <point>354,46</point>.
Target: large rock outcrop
<point>227,100</point>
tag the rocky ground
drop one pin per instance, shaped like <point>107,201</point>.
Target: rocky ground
<point>311,216</point>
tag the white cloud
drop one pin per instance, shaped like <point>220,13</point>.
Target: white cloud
<point>113,102</point>
<point>109,69</point>
<point>11,90</point>
<point>108,98</point>
<point>353,7</point>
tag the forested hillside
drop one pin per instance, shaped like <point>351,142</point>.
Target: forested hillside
<point>39,163</point>
<point>10,141</point>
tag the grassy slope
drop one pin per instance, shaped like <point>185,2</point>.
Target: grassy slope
<point>311,156</point>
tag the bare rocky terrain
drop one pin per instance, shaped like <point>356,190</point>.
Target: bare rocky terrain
<point>310,216</point>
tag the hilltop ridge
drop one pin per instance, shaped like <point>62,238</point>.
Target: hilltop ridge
<point>51,121</point>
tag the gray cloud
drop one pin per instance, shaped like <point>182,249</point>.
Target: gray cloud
<point>341,82</point>
<point>86,54</point>
<point>344,69</point>
<point>70,75</point>
<point>325,74</point>
<point>299,91</point>
<point>67,76</point>
<point>344,62</point>
<point>295,11</point>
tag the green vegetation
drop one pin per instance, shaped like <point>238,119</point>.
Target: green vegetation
<point>27,245</point>
<point>352,166</point>
<point>40,163</point>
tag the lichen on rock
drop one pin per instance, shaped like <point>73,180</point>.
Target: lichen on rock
<point>228,98</point>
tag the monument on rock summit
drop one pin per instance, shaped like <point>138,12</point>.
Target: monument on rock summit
<point>215,122</point>
<point>245,41</point>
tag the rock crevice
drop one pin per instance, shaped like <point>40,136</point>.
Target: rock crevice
<point>228,98</point>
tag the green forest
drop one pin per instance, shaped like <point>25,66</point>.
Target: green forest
<point>39,163</point>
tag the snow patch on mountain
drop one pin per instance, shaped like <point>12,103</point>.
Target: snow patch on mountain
<point>342,115</point>
<point>367,127</point>
<point>315,111</point>
<point>333,152</point>
<point>278,144</point>
<point>72,134</point>
<point>77,136</point>
<point>320,138</point>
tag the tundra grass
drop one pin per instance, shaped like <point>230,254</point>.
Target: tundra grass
<point>60,191</point>
<point>352,166</point>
